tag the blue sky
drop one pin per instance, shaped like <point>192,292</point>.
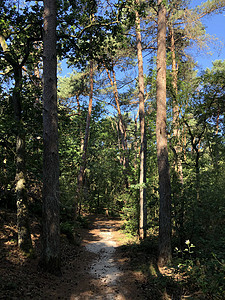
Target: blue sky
<point>215,25</point>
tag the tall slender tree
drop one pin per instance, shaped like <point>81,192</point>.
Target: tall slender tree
<point>80,178</point>
<point>50,259</point>
<point>161,138</point>
<point>142,179</point>
<point>121,125</point>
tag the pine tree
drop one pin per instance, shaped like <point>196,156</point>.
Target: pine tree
<point>161,139</point>
<point>50,259</point>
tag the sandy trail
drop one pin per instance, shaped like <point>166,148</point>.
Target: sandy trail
<point>98,271</point>
<point>104,268</point>
<point>93,268</point>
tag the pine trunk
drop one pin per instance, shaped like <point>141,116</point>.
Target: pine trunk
<point>176,130</point>
<point>177,148</point>
<point>24,238</point>
<point>161,137</point>
<point>121,128</point>
<point>142,179</point>
<point>50,260</point>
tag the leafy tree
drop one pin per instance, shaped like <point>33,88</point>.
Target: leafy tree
<point>18,34</point>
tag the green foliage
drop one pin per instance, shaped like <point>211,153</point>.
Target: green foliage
<point>68,229</point>
<point>130,213</point>
<point>88,31</point>
<point>205,273</point>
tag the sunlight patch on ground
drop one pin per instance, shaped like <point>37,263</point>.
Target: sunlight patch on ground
<point>104,266</point>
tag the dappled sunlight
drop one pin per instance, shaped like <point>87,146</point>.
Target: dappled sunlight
<point>104,267</point>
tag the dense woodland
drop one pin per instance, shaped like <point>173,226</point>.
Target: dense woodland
<point>135,130</point>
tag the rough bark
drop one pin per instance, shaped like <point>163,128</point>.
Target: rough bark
<point>161,137</point>
<point>24,238</point>
<point>176,130</point>
<point>176,145</point>
<point>50,259</point>
<point>142,179</point>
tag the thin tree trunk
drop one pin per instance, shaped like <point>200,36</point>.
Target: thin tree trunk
<point>77,201</point>
<point>161,137</point>
<point>217,119</point>
<point>176,130</point>
<point>122,128</point>
<point>80,178</point>
<point>136,148</point>
<point>197,175</point>
<point>184,142</point>
<point>121,124</point>
<point>24,238</point>
<point>142,179</point>
<point>50,259</point>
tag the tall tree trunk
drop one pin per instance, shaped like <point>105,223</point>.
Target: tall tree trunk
<point>197,175</point>
<point>80,178</point>
<point>50,259</point>
<point>136,147</point>
<point>122,127</point>
<point>161,137</point>
<point>142,179</point>
<point>176,130</point>
<point>80,126</point>
<point>177,149</point>
<point>24,238</point>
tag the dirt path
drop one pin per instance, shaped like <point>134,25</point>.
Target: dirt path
<point>98,265</point>
<point>104,277</point>
<point>93,270</point>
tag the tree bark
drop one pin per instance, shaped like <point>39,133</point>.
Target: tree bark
<point>50,259</point>
<point>176,130</point>
<point>161,138</point>
<point>142,179</point>
<point>176,144</point>
<point>23,226</point>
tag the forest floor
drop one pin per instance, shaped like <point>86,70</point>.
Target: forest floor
<point>99,264</point>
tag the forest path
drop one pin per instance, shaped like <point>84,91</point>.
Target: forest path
<point>94,266</point>
<point>99,264</point>
<point>105,276</point>
<point>97,269</point>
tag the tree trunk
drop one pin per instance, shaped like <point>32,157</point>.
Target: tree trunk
<point>176,130</point>
<point>80,178</point>
<point>50,259</point>
<point>122,128</point>
<point>142,179</point>
<point>177,149</point>
<point>161,138</point>
<point>24,238</point>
